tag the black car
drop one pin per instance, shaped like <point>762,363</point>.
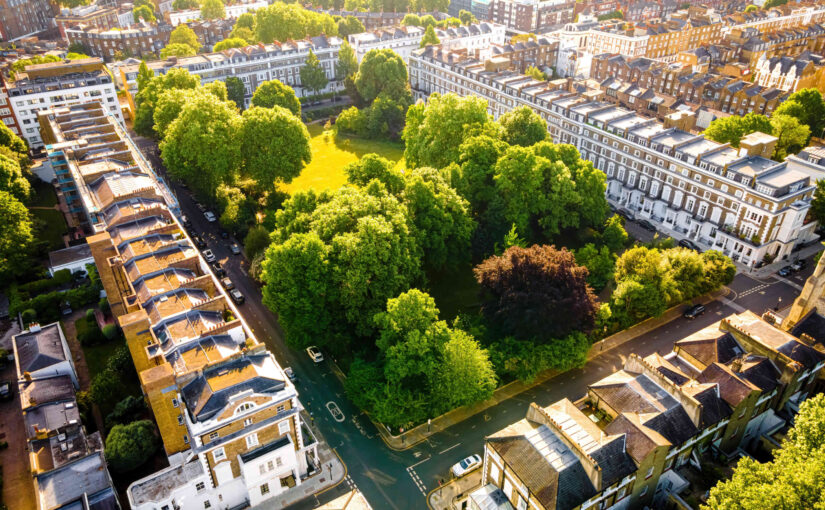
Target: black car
<point>690,245</point>
<point>6,390</point>
<point>785,271</point>
<point>647,225</point>
<point>218,269</point>
<point>694,311</point>
<point>624,213</point>
<point>798,265</point>
<point>199,242</point>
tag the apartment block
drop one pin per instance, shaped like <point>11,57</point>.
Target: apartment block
<point>733,200</point>
<point>721,390</point>
<point>22,18</point>
<point>55,84</point>
<point>643,10</point>
<point>376,20</point>
<point>531,15</point>
<point>791,73</point>
<point>94,15</point>
<point>252,64</point>
<point>227,414</point>
<point>540,52</point>
<point>789,42</point>
<point>777,19</point>
<point>232,11</point>
<point>67,464</point>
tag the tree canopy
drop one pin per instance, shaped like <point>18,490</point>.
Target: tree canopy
<point>274,93</point>
<point>129,446</point>
<point>522,126</point>
<point>145,13</point>
<point>212,9</point>
<point>183,5</point>
<point>429,37</point>
<point>177,50</point>
<point>383,72</point>
<point>732,129</point>
<point>150,88</point>
<point>182,34</point>
<point>282,21</point>
<point>347,62</point>
<point>15,235</point>
<point>274,146</point>
<point>12,180</point>
<point>229,43</point>
<point>811,113</point>
<point>235,91</point>
<point>313,75</point>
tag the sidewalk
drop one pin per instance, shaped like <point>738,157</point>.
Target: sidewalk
<point>770,269</point>
<point>442,498</point>
<point>420,433</point>
<point>333,471</point>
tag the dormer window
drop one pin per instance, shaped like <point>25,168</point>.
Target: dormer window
<point>246,406</point>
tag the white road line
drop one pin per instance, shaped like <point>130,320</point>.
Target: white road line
<point>450,448</point>
<point>419,462</point>
<point>736,306</point>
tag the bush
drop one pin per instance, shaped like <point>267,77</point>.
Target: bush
<point>351,121</point>
<point>87,331</point>
<point>127,410</point>
<point>103,305</point>
<point>29,315</point>
<point>110,331</point>
<point>256,241</point>
<point>120,363</point>
<point>320,113</point>
<point>129,446</point>
<point>90,315</point>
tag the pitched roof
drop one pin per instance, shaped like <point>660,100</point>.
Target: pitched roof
<point>732,388</point>
<point>710,345</point>
<point>36,350</point>
<point>44,391</point>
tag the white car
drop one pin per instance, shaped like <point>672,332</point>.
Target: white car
<point>208,255</point>
<point>465,466</point>
<point>210,216</point>
<point>315,354</point>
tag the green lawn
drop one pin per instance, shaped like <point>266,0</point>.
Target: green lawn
<point>98,355</point>
<point>455,291</point>
<point>43,195</point>
<point>330,154</point>
<point>53,228</point>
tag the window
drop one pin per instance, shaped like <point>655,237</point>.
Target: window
<point>180,419</point>
<point>279,462</point>
<point>264,489</point>
<point>251,440</point>
<point>283,427</point>
<point>649,473</point>
<point>207,504</point>
<point>219,454</point>
<point>262,469</point>
<point>200,486</point>
<point>247,422</point>
<point>175,402</point>
<point>246,406</point>
<point>186,439</point>
<point>644,492</point>
<point>213,436</point>
<point>269,465</point>
<point>281,408</point>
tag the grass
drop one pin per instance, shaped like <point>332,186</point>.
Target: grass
<point>53,227</point>
<point>455,292</point>
<point>330,154</point>
<point>98,355</point>
<point>43,195</point>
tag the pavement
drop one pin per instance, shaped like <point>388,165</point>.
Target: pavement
<point>445,495</point>
<point>392,479</point>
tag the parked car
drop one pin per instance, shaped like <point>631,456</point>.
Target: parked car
<point>466,465</point>
<point>785,271</point>
<point>227,283</point>
<point>235,249</point>
<point>6,390</point>
<point>185,221</point>
<point>210,216</point>
<point>647,225</point>
<point>315,354</point>
<point>694,311</point>
<point>687,243</point>
<point>290,374</point>
<point>237,297</point>
<point>208,255</point>
<point>624,213</point>
<point>199,242</point>
<point>218,269</point>
<point>224,234</point>
<point>798,265</point>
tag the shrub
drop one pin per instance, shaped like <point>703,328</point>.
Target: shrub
<point>127,410</point>
<point>351,121</point>
<point>110,331</point>
<point>129,446</point>
<point>29,315</point>
<point>88,333</point>
<point>90,315</point>
<point>103,305</point>
<point>120,363</point>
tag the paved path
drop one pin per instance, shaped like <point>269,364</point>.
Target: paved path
<point>443,496</point>
<point>18,487</point>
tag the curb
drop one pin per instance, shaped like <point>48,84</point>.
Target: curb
<point>339,482</point>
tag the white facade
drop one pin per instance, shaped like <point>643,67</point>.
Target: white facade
<point>800,16</point>
<point>125,19</point>
<point>603,41</point>
<point>232,11</point>
<point>745,206</point>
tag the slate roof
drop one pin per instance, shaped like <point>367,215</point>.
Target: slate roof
<point>614,461</point>
<point>530,466</point>
<point>639,440</point>
<point>714,409</point>
<point>710,345</point>
<point>732,388</point>
<point>802,353</point>
<point>674,425</point>
<point>760,372</point>
<point>812,325</point>
<point>39,350</point>
<point>43,391</point>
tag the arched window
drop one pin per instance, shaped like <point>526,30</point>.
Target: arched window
<point>246,406</point>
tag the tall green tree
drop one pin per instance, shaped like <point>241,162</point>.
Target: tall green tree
<point>347,63</point>
<point>231,42</point>
<point>274,93</point>
<point>12,180</point>
<point>129,446</point>
<point>383,72</point>
<point>522,126</point>
<point>182,34</point>
<point>313,75</point>
<point>466,17</point>
<point>201,146</point>
<point>614,236</point>
<point>148,94</point>
<point>818,202</point>
<point>145,13</point>
<point>15,236</point>
<point>793,136</point>
<point>373,166</point>
<point>213,9</point>
<point>813,108</point>
<point>535,73</point>
<point>274,146</point>
<point>600,264</point>
<point>235,91</point>
<point>429,38</point>
<point>350,25</point>
<point>177,50</point>
<point>732,129</point>
<point>184,5</point>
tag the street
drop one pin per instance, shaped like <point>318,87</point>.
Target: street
<point>401,480</point>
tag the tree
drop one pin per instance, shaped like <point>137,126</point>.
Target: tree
<point>435,131</point>
<point>791,134</point>
<point>313,75</point>
<point>411,20</point>
<point>185,5</point>
<point>614,236</point>
<point>599,263</point>
<point>12,180</point>
<point>466,17</point>
<point>274,93</point>
<point>280,22</point>
<point>751,8</point>
<point>144,76</point>
<point>74,3</point>
<point>152,88</point>
<point>212,9</point>
<point>201,146</point>
<point>813,107</point>
<point>373,166</point>
<point>256,241</point>
<point>818,202</point>
<point>246,20</point>
<point>440,217</point>
<point>274,146</point>
<point>795,478</point>
<point>522,126</point>
<point>182,34</point>
<point>177,50</point>
<point>535,73</point>
<point>347,63</point>
<point>217,88</point>
<point>15,235</point>
<point>350,25</point>
<point>537,293</point>
<point>231,42</point>
<point>145,13</point>
<point>429,37</point>
<point>383,72</point>
<point>127,410</point>
<point>168,107</point>
<point>235,91</point>
<point>129,446</point>
<point>336,257</point>
<point>732,129</point>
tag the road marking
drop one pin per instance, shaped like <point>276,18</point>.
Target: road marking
<point>417,481</point>
<point>792,284</point>
<point>736,306</point>
<point>450,448</point>
<point>419,462</point>
<point>335,411</point>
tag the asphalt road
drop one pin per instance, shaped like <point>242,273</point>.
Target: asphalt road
<point>400,480</point>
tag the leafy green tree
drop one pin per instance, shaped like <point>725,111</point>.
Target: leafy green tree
<point>127,410</point>
<point>244,34</point>
<point>274,93</point>
<point>17,148</point>
<point>280,22</point>
<point>813,109</point>
<point>383,72</point>
<point>274,146</point>
<point>350,25</point>
<point>213,9</point>
<point>384,118</point>
<point>732,129</point>
<point>201,146</point>
<point>182,34</point>
<point>535,73</point>
<point>818,202</point>
<point>216,88</point>
<point>229,43</point>
<point>145,13</point>
<point>466,17</point>
<point>373,166</point>
<point>144,76</point>
<point>751,8</point>
<point>440,217</point>
<point>536,294</point>
<point>185,5</point>
<point>347,63</point>
<point>795,478</point>
<point>74,3</point>
<point>177,50</point>
<point>477,158</point>
<point>600,264</point>
<point>313,75</point>
<point>614,236</point>
<point>235,91</point>
<point>169,105</point>
<point>718,270</point>
<point>15,236</point>
<point>411,20</point>
<point>256,241</point>
<point>12,180</point>
<point>466,375</point>
<point>246,20</point>
<point>129,446</point>
<point>429,37</point>
<point>434,132</point>
<point>519,179</point>
<point>150,91</point>
<point>792,135</point>
<point>336,257</point>
<point>522,126</point>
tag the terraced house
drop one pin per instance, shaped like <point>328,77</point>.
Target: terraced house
<point>722,390</point>
<point>227,414</point>
<point>735,200</point>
